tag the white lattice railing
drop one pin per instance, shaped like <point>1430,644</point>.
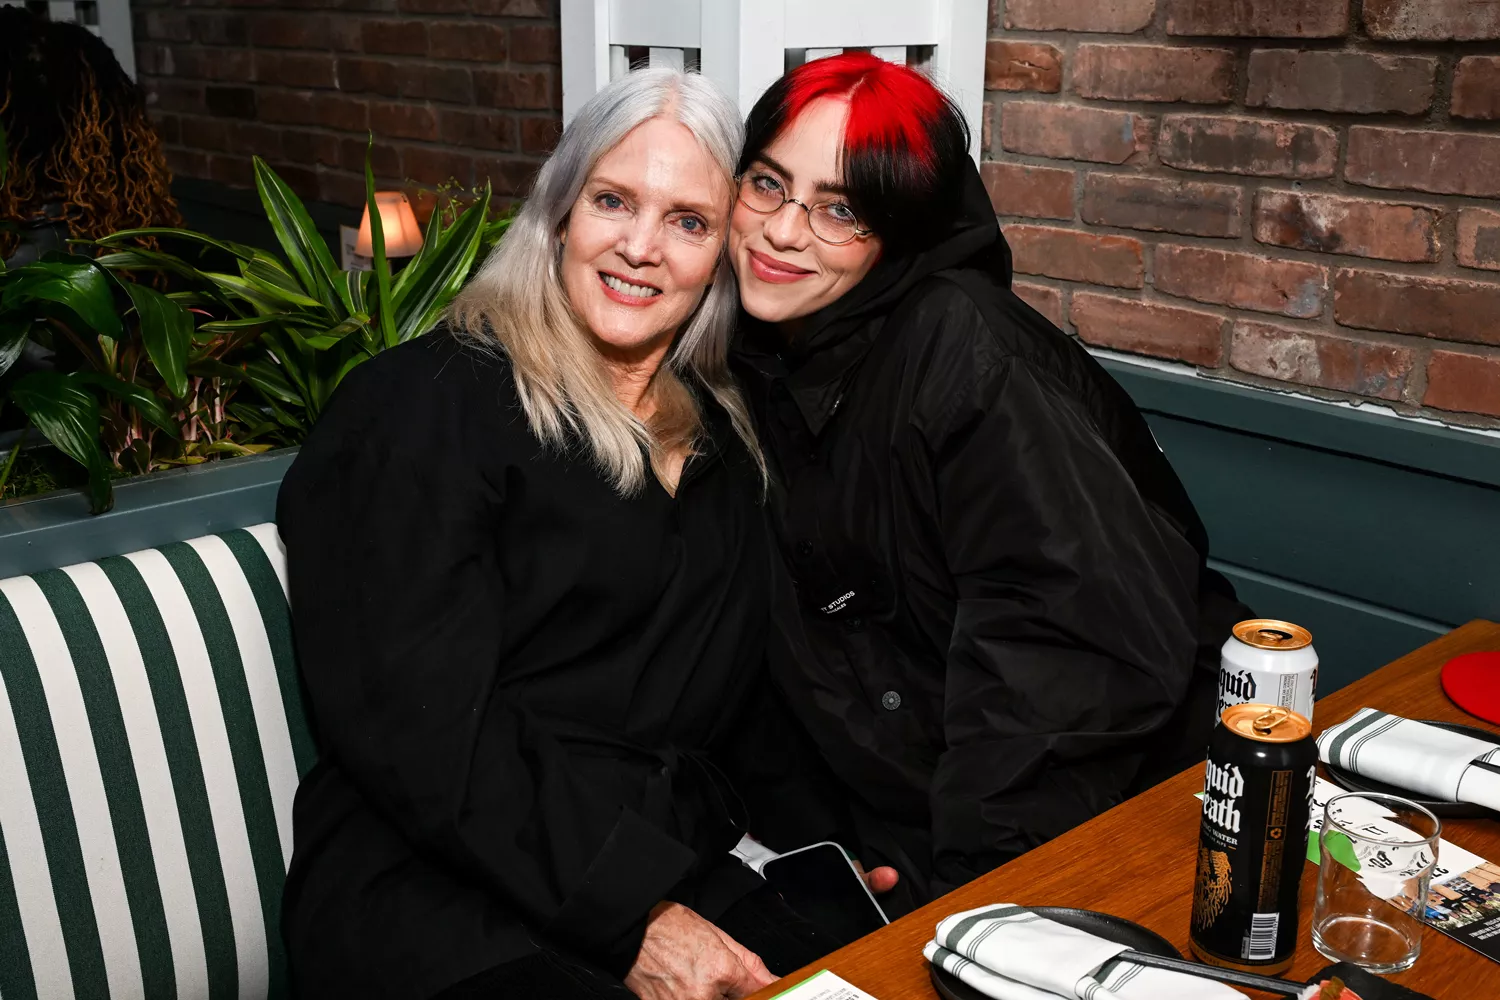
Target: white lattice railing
<point>109,19</point>
<point>744,45</point>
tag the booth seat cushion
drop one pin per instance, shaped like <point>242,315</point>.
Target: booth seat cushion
<point>151,740</point>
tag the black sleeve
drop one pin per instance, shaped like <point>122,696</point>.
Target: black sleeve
<point>392,532</point>
<point>1074,635</point>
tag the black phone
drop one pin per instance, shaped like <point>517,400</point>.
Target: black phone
<point>820,883</point>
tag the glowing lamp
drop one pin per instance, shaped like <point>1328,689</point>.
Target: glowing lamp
<point>403,237</point>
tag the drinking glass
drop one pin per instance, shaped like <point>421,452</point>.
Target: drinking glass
<point>1378,853</point>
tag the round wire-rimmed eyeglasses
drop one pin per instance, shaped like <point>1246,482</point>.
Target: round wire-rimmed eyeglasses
<point>830,221</point>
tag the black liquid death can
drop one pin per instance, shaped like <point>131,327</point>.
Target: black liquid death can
<point>1252,843</point>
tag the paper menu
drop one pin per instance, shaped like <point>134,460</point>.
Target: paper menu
<point>823,986</point>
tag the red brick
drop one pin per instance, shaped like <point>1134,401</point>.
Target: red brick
<point>1359,82</point>
<point>477,129</point>
<point>310,148</point>
<point>1154,73</point>
<point>295,69</point>
<point>235,171</point>
<point>375,76</point>
<point>1043,298</point>
<point>1355,226</point>
<point>987,129</point>
<point>1022,66</point>
<point>174,95</point>
<point>187,162</point>
<point>385,160</point>
<point>436,6</point>
<point>220,29</point>
<point>302,180</point>
<point>168,26</point>
<point>255,138</point>
<point>288,107</point>
<point>1163,205</point>
<point>1259,18</point>
<point>209,133</point>
<point>168,127</point>
<point>1122,17</point>
<point>506,175</point>
<point>514,8</point>
<point>1476,87</point>
<point>341,188</point>
<point>426,165</point>
<point>471,40</point>
<point>230,102</point>
<point>351,114</point>
<point>1077,256</point>
<point>395,38</point>
<point>1432,307</point>
<point>1432,20</point>
<point>1242,280</point>
<point>1065,132</point>
<point>1325,362</point>
<point>1149,328</point>
<point>399,120</point>
<point>451,84</point>
<point>1440,162</point>
<point>199,63</point>
<point>1463,383</point>
<point>289,31</point>
<point>1248,146</point>
<point>539,135</point>
<point>1033,192</point>
<point>505,88</point>
<point>1479,238</point>
<point>534,43</point>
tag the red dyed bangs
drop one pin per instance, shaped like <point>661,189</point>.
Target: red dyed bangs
<point>891,107</point>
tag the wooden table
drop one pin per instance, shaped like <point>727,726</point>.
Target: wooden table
<point>1137,860</point>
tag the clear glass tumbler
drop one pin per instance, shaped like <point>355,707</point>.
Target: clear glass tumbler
<point>1378,853</point>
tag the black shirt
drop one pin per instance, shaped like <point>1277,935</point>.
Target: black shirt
<point>519,681</point>
<point>1002,622</point>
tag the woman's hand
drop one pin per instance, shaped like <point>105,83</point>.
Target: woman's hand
<point>684,957</point>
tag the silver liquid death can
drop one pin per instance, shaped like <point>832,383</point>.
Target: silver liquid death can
<point>1271,662</point>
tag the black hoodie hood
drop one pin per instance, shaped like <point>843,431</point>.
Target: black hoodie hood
<point>834,339</point>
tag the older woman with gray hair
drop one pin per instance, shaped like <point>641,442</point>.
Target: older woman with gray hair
<point>528,571</point>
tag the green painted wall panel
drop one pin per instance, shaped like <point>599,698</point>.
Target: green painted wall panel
<point>1400,538</point>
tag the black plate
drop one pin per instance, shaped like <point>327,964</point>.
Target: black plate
<point>1116,929</point>
<point>1351,782</point>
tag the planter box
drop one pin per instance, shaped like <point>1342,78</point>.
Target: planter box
<point>56,529</point>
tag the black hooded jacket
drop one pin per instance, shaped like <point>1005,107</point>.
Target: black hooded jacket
<point>997,621</point>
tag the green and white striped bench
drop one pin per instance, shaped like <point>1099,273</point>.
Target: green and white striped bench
<point>151,740</point>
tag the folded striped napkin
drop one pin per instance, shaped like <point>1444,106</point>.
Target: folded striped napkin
<point>1011,953</point>
<point>1414,756</point>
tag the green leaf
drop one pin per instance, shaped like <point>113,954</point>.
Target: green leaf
<point>233,249</point>
<point>249,322</point>
<point>142,399</point>
<point>385,305</point>
<point>271,271</point>
<point>262,375</point>
<point>256,295</point>
<point>68,416</point>
<point>167,331</point>
<point>435,275</point>
<point>81,287</point>
<point>290,296</point>
<point>304,248</point>
<point>149,260</point>
<point>13,334</point>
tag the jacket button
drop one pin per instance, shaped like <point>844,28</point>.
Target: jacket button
<point>804,548</point>
<point>890,701</point>
<point>857,624</point>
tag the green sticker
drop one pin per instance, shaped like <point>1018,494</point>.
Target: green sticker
<point>1341,849</point>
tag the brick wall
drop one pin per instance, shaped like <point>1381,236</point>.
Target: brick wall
<point>1295,193</point>
<point>454,90</point>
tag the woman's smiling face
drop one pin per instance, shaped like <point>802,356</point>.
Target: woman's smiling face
<point>642,241</point>
<point>785,271</point>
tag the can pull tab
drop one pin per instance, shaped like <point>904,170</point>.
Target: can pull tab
<point>1268,720</point>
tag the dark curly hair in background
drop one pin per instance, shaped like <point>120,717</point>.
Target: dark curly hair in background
<point>82,150</point>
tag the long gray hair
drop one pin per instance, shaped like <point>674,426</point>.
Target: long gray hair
<point>517,302</point>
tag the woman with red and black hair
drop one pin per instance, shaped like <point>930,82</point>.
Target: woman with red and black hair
<point>998,620</point>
